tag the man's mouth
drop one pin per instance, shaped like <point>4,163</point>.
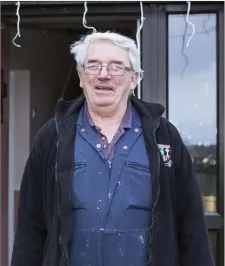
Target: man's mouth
<point>103,88</point>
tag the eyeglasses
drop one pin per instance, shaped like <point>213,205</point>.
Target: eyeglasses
<point>113,69</point>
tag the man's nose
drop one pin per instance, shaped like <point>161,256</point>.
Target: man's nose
<point>104,73</point>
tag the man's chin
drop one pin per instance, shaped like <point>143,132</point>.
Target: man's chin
<point>103,102</point>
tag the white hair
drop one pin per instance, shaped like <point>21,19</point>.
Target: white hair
<point>79,48</point>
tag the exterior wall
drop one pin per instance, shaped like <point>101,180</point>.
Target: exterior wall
<point>46,57</point>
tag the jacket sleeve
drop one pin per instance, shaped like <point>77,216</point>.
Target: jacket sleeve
<point>193,244</point>
<point>30,235</point>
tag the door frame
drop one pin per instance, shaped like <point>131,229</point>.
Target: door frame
<point>4,149</point>
<point>154,62</point>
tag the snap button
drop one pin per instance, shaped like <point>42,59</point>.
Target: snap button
<point>136,130</point>
<point>82,130</point>
<point>125,147</point>
<point>98,145</point>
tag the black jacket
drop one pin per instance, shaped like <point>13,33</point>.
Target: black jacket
<point>178,234</point>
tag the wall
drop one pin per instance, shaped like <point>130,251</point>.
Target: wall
<point>19,135</point>
<point>19,126</point>
<point>46,56</point>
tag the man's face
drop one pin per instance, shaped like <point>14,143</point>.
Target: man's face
<point>104,89</point>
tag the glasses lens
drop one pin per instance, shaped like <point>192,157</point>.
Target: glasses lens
<point>116,70</point>
<point>92,68</point>
<point>113,69</point>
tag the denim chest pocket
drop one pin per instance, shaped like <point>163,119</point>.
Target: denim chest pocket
<point>80,186</point>
<point>137,186</point>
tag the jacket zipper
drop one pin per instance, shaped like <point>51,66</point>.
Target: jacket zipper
<point>158,192</point>
<point>56,176</point>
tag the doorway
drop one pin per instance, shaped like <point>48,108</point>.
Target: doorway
<point>41,72</point>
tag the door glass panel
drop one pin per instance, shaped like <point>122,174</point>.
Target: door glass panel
<point>192,95</point>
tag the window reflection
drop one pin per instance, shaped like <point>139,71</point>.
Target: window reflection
<point>192,94</point>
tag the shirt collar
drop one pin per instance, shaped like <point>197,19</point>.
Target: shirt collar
<point>125,123</point>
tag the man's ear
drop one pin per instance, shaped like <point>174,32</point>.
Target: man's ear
<point>81,84</point>
<point>134,79</point>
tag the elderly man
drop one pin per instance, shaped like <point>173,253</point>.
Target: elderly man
<point>109,181</point>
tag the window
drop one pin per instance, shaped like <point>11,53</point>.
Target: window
<point>192,95</point>
<point>189,82</point>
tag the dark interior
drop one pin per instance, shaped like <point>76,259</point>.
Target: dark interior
<point>74,27</point>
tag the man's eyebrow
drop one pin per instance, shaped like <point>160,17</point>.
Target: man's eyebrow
<point>111,62</point>
<point>92,61</point>
<point>118,62</point>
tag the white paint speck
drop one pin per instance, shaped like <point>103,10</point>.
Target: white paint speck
<point>100,173</point>
<point>119,183</point>
<point>98,202</point>
<point>109,195</point>
<point>142,239</point>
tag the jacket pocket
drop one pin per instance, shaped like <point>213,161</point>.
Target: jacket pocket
<point>137,166</point>
<point>137,186</point>
<point>78,166</point>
